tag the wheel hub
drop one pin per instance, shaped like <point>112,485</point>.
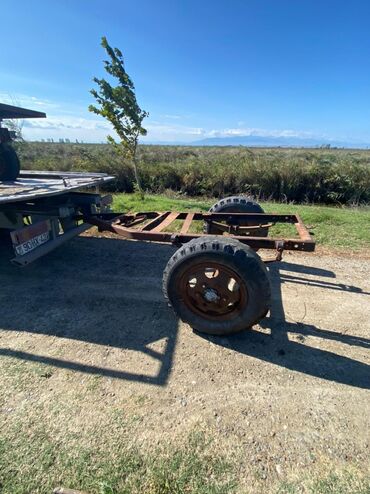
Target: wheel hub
<point>213,290</point>
<point>210,295</point>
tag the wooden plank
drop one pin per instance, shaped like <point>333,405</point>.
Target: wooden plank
<point>187,223</point>
<point>166,222</point>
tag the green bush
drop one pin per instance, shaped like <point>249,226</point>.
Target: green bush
<point>335,176</point>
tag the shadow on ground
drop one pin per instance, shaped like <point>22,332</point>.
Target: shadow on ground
<point>108,291</point>
<point>96,290</point>
<point>275,346</point>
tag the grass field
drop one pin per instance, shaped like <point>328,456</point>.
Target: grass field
<point>127,469</point>
<point>326,176</point>
<point>33,461</point>
<point>340,228</point>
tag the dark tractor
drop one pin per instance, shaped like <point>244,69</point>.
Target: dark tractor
<point>9,161</point>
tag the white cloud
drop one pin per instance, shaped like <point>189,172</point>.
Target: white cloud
<point>66,121</point>
<point>258,132</point>
<point>63,122</point>
<point>96,130</point>
<point>24,100</point>
<point>158,131</point>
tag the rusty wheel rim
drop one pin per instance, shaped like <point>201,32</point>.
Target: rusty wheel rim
<point>213,291</point>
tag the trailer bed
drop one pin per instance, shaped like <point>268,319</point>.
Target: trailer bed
<point>156,227</point>
<point>33,185</point>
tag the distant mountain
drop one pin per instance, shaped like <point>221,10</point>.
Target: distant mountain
<point>267,141</point>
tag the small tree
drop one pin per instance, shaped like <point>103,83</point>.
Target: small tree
<point>15,126</point>
<point>119,106</point>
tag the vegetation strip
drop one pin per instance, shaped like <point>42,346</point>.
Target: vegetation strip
<point>327,176</point>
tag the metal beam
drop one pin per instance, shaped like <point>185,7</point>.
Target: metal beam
<point>187,223</point>
<point>166,222</point>
<point>10,111</point>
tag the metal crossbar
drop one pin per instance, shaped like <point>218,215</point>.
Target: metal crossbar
<point>153,230</point>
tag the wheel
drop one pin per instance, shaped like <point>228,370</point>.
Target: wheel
<point>235,204</point>
<point>217,285</point>
<point>9,163</point>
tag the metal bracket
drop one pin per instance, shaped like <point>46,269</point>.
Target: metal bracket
<point>175,240</point>
<point>279,250</point>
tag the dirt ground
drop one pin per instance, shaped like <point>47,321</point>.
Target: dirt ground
<point>291,394</point>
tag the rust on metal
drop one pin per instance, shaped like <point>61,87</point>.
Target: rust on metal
<point>245,229</point>
<point>186,225</point>
<point>302,230</point>
<point>158,218</point>
<point>152,231</point>
<point>166,222</point>
<point>117,219</point>
<point>26,233</point>
<point>213,290</point>
<point>137,221</point>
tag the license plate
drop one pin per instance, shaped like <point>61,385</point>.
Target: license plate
<point>29,238</point>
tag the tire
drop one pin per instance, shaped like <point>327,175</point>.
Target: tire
<point>217,285</point>
<point>235,204</point>
<point>9,163</point>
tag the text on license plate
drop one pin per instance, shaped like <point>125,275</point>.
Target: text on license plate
<point>31,244</point>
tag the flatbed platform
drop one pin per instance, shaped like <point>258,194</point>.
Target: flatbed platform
<point>33,185</point>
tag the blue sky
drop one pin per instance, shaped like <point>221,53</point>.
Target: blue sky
<point>201,68</point>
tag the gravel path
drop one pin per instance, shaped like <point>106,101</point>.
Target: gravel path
<point>291,393</point>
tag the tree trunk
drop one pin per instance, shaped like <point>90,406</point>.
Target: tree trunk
<point>137,177</point>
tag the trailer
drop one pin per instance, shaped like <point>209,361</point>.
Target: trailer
<point>42,210</point>
<point>39,211</point>
<point>215,281</point>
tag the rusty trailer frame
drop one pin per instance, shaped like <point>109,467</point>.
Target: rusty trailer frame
<point>213,282</point>
<point>154,227</point>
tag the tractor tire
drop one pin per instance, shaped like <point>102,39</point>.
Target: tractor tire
<point>217,285</point>
<point>235,204</point>
<point>9,163</point>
